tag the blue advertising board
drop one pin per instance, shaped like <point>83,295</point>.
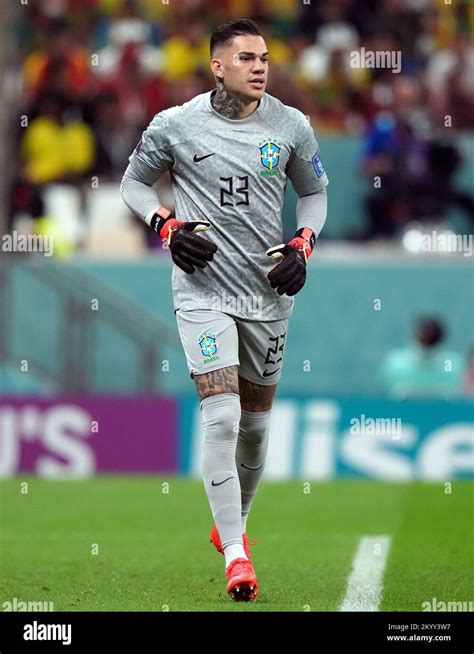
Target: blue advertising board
<point>371,438</point>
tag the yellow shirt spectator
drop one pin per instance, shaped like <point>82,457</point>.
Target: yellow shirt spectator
<point>52,151</point>
<point>181,59</point>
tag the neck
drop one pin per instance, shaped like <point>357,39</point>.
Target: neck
<point>230,105</point>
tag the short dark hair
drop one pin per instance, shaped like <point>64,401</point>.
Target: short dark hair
<point>238,27</point>
<point>429,330</point>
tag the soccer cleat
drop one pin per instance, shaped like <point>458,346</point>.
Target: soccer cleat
<point>215,539</point>
<point>242,583</point>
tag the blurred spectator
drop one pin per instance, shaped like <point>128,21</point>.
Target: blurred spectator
<point>129,68</point>
<point>114,64</point>
<point>450,81</point>
<point>444,161</point>
<point>424,369</point>
<point>179,92</point>
<point>401,19</point>
<point>140,92</point>
<point>114,137</point>
<point>409,166</point>
<point>325,67</point>
<point>61,65</point>
<point>26,200</point>
<point>56,147</point>
<point>394,159</point>
<point>186,52</point>
<point>381,84</point>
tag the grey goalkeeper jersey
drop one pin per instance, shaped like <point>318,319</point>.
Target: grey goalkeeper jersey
<point>232,173</point>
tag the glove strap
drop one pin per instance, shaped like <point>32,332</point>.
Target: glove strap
<point>304,241</point>
<point>164,223</point>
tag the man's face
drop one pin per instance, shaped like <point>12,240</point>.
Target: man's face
<point>243,65</point>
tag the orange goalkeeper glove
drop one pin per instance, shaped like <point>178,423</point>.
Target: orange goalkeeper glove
<point>187,248</point>
<point>289,275</point>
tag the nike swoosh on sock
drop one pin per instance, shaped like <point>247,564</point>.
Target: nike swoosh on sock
<point>249,468</point>
<point>220,482</point>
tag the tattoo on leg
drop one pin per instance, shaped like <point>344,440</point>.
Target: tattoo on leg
<point>256,397</point>
<point>224,380</point>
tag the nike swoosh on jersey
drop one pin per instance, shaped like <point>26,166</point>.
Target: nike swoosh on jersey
<point>196,159</point>
<point>220,482</point>
<point>267,374</point>
<point>249,468</point>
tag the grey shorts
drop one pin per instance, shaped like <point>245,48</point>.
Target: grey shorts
<point>213,340</point>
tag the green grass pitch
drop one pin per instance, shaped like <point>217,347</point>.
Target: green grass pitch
<point>154,552</point>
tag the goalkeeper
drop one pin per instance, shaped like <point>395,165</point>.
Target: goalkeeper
<point>230,152</point>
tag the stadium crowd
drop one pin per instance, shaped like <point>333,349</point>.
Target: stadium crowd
<point>94,73</point>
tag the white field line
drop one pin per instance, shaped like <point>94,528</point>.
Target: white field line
<point>364,587</point>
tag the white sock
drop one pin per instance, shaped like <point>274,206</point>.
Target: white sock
<point>244,522</point>
<point>235,551</point>
<point>250,454</point>
<point>220,414</point>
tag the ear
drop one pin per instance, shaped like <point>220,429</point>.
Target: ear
<point>216,68</point>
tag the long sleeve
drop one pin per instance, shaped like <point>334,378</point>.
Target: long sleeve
<point>139,197</point>
<point>309,179</point>
<point>311,211</point>
<point>150,159</point>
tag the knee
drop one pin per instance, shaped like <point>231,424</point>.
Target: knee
<point>221,417</point>
<point>254,427</point>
